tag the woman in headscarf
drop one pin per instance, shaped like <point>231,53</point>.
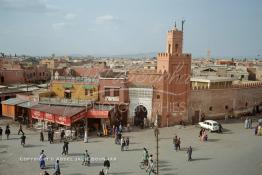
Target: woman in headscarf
<point>42,159</point>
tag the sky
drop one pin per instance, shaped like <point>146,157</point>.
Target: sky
<point>115,27</point>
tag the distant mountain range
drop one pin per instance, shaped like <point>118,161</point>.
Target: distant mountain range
<point>137,55</point>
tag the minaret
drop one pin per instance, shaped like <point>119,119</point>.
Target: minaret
<point>174,41</point>
<point>176,68</point>
<point>174,50</point>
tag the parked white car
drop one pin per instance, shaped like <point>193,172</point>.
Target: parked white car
<point>209,125</point>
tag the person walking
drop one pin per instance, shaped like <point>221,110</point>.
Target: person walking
<point>200,133</point>
<point>120,128</point>
<point>7,132</point>
<point>52,136</point>
<point>175,142</point>
<point>122,142</point>
<point>23,137</point>
<point>220,128</point>
<point>66,143</point>
<point>20,129</point>
<point>204,136</point>
<point>189,153</point>
<point>256,129</point>
<point>65,148</point>
<point>128,127</point>
<point>57,168</point>
<point>145,157</point>
<point>259,130</point>
<point>127,144</point>
<point>49,134</point>
<point>1,133</point>
<point>86,159</point>
<point>116,137</point>
<point>101,172</point>
<point>246,123</point>
<point>42,159</point>
<point>250,123</point>
<point>106,165</point>
<point>41,136</point>
<point>119,136</point>
<point>178,143</point>
<point>62,135</point>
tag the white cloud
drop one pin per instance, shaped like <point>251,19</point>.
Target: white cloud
<point>70,16</point>
<point>27,5</point>
<point>106,19</point>
<point>59,25</point>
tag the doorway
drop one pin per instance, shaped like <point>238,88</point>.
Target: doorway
<point>140,115</point>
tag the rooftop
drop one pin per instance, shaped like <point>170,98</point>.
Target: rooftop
<point>13,101</point>
<point>59,110</point>
<point>211,79</point>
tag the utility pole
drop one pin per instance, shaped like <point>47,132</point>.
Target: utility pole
<point>156,132</point>
<point>86,128</point>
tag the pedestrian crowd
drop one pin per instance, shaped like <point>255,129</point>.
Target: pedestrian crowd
<point>148,162</point>
<point>203,135</point>
<point>176,143</point>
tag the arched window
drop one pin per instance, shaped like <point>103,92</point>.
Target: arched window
<point>176,48</point>
<point>169,48</point>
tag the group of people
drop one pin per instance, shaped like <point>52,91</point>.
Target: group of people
<point>86,162</point>
<point>203,135</point>
<point>43,166</point>
<point>176,143</point>
<point>248,123</point>
<point>106,167</point>
<point>124,143</point>
<point>148,162</point>
<point>7,132</point>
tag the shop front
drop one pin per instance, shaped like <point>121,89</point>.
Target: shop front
<point>24,112</point>
<point>98,120</point>
<point>9,107</point>
<point>56,116</point>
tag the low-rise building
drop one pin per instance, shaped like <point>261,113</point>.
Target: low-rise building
<point>75,88</point>
<point>210,82</point>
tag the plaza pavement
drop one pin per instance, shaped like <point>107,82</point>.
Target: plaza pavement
<point>236,152</point>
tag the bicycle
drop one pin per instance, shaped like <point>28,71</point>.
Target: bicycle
<point>142,165</point>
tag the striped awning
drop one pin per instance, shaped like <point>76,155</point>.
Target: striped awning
<point>88,87</point>
<point>68,85</point>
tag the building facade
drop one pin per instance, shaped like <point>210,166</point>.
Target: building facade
<point>78,88</point>
<point>170,84</point>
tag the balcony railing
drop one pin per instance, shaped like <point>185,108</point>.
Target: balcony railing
<point>75,79</point>
<point>64,101</point>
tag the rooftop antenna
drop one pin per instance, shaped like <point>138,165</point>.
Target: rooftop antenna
<point>183,21</point>
<point>175,24</point>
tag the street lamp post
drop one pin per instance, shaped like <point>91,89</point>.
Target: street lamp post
<point>86,129</point>
<point>156,132</point>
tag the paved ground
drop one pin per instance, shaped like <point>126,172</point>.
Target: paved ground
<point>237,151</point>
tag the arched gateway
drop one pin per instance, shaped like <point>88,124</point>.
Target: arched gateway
<point>140,115</point>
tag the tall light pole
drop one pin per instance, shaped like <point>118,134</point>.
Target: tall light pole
<point>86,128</point>
<point>156,132</point>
